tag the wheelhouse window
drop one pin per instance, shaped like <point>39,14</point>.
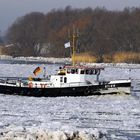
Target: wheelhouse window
<point>90,72</point>
<point>68,70</point>
<point>98,71</point>
<point>76,70</point>
<point>87,71</point>
<point>65,80</point>
<point>82,72</point>
<point>72,71</point>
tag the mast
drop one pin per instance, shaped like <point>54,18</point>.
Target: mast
<point>73,48</point>
<point>74,42</point>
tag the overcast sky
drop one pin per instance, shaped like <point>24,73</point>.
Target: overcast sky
<point>10,10</point>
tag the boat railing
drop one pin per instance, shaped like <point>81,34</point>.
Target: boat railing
<point>7,80</point>
<point>10,80</point>
<point>2,81</point>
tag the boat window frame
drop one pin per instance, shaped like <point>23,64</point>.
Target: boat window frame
<point>61,79</point>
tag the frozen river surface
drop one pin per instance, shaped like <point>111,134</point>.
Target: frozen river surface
<point>117,116</point>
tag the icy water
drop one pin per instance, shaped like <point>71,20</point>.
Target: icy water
<point>118,116</point>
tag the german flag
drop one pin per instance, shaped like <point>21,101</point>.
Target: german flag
<point>37,70</point>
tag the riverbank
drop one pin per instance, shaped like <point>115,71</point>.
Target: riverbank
<point>36,59</point>
<point>53,60</point>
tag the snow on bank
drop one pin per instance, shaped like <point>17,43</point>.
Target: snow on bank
<point>36,59</point>
<point>21,133</point>
<point>5,57</point>
<point>65,61</point>
<point>116,65</point>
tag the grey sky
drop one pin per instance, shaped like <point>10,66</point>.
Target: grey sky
<point>11,9</point>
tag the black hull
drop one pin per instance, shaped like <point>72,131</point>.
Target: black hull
<point>54,92</point>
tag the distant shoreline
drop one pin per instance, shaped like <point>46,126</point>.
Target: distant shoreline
<point>52,60</point>
<point>32,59</point>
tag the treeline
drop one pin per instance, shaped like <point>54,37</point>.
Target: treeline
<point>103,34</point>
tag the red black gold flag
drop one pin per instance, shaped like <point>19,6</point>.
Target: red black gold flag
<point>37,70</point>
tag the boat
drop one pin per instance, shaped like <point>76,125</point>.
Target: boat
<point>70,80</point>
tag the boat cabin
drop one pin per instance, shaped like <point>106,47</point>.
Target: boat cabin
<point>76,76</point>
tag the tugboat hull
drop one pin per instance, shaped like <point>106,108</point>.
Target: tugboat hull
<point>66,91</point>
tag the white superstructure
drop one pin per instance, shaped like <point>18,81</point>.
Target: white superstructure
<point>76,76</point>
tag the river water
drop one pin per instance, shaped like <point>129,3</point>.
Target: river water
<point>117,116</point>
